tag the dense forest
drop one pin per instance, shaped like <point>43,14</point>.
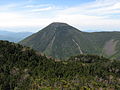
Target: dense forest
<point>22,68</point>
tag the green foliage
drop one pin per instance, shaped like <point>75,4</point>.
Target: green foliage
<point>22,68</point>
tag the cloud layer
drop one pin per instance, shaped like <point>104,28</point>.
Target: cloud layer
<point>99,15</point>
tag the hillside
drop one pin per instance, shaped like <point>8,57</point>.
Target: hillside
<point>107,43</point>
<point>13,36</point>
<point>22,68</point>
<point>60,40</point>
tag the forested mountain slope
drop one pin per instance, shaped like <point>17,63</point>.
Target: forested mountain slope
<point>60,40</point>
<point>22,68</point>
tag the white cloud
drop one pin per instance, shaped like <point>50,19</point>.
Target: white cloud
<point>41,9</point>
<point>97,15</point>
<point>36,6</point>
<point>7,7</point>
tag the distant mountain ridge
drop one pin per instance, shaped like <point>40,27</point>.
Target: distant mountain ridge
<point>13,36</point>
<point>60,40</point>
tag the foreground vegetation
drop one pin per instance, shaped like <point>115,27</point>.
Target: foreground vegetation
<point>21,68</point>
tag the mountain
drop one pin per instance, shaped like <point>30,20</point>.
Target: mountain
<point>22,68</point>
<point>106,43</point>
<point>60,40</point>
<point>13,36</point>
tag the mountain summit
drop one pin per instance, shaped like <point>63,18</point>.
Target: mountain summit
<point>58,24</point>
<point>60,40</point>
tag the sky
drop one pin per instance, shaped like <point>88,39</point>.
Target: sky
<point>33,15</point>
